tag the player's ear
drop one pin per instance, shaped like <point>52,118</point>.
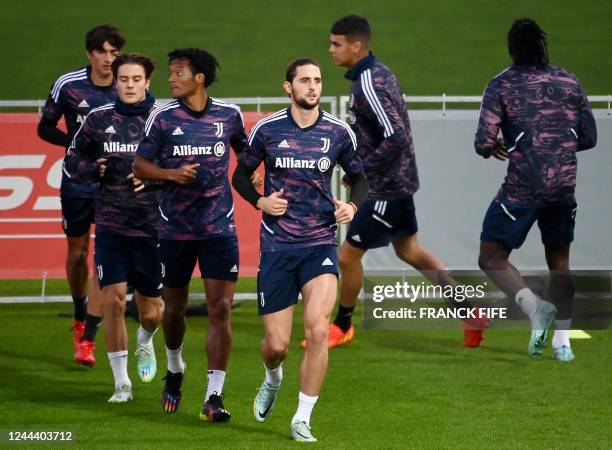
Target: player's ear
<point>147,85</point>
<point>199,77</point>
<point>287,88</point>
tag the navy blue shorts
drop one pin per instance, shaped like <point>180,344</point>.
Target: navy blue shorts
<point>283,274</point>
<point>77,215</point>
<point>508,223</point>
<point>218,259</point>
<point>121,259</point>
<point>377,222</point>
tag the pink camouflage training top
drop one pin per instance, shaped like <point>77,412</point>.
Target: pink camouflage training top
<point>545,118</point>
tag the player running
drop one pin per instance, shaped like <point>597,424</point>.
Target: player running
<point>73,96</point>
<point>187,144</point>
<point>127,217</point>
<point>299,147</point>
<point>378,116</point>
<point>545,118</point>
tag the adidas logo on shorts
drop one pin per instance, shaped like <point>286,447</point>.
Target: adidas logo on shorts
<point>327,262</point>
<point>234,269</point>
<point>177,132</point>
<point>356,238</point>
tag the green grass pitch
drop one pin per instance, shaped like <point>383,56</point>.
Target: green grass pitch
<point>385,390</point>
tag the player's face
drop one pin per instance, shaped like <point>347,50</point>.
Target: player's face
<point>342,52</point>
<point>181,78</point>
<point>101,60</point>
<point>305,89</point>
<point>131,83</point>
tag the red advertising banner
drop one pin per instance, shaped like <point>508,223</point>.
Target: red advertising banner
<point>32,243</point>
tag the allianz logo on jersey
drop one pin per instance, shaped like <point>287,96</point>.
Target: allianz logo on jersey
<point>194,150</point>
<point>118,147</point>
<point>289,162</point>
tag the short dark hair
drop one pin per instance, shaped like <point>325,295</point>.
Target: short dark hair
<point>292,68</point>
<point>527,44</point>
<point>133,58</point>
<point>355,28</point>
<point>97,36</point>
<point>200,61</point>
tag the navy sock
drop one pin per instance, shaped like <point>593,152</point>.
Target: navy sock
<point>344,317</point>
<point>80,308</point>
<point>91,326</point>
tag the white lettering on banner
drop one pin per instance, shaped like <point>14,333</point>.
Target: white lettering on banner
<point>54,180</point>
<point>21,187</point>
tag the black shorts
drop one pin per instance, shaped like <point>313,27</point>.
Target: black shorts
<point>218,259</point>
<point>379,221</point>
<point>282,274</point>
<point>121,259</point>
<point>77,215</point>
<point>509,223</point>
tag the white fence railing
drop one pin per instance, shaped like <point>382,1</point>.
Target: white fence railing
<point>337,105</point>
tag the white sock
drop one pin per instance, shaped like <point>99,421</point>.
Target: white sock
<point>216,378</point>
<point>274,376</point>
<point>304,409</point>
<point>562,333</point>
<point>119,364</point>
<point>175,360</point>
<point>143,337</point>
<point>527,300</point>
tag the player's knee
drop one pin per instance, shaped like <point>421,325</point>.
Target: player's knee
<point>219,310</point>
<point>487,261</point>
<point>114,304</point>
<point>408,254</point>
<point>77,254</point>
<point>346,262</point>
<point>277,347</point>
<point>174,310</point>
<point>317,335</point>
<point>151,313</point>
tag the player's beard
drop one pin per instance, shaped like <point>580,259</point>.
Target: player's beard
<point>302,103</point>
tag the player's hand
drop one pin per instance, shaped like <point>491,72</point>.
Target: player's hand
<point>101,166</point>
<point>185,174</point>
<point>136,182</point>
<point>256,179</point>
<point>499,151</point>
<point>344,212</point>
<point>273,204</point>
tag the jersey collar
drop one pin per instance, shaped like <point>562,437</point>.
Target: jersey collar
<point>95,86</point>
<point>363,64</point>
<point>196,114</point>
<point>308,128</point>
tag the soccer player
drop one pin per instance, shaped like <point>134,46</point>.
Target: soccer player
<point>126,217</point>
<point>379,118</point>
<point>545,118</point>
<point>73,95</point>
<point>299,146</point>
<point>187,144</point>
